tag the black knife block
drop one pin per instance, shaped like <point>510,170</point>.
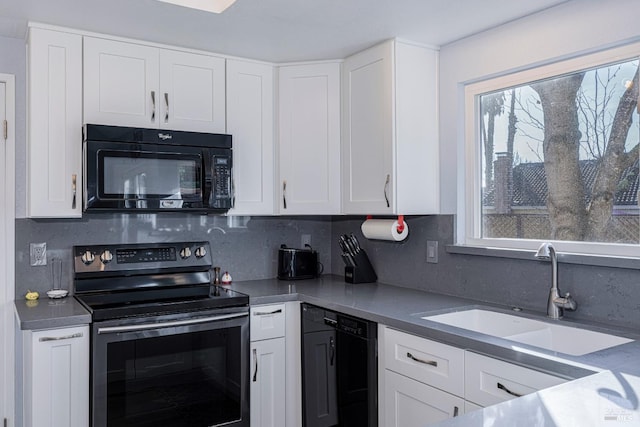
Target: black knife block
<point>362,272</point>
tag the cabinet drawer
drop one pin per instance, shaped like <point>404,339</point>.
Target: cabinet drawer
<point>430,362</point>
<point>267,321</point>
<point>489,381</point>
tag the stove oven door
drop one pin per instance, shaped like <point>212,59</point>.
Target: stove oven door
<point>183,370</point>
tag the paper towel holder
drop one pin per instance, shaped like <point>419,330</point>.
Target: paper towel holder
<point>400,222</point>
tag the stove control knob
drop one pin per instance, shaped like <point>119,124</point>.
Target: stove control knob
<point>185,253</point>
<point>106,256</point>
<point>88,257</point>
<point>200,252</point>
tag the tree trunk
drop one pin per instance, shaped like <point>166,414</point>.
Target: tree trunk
<point>610,168</point>
<point>561,147</point>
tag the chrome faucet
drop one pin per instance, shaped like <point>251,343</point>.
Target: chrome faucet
<point>556,303</point>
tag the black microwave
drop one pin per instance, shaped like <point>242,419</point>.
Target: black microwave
<point>135,169</point>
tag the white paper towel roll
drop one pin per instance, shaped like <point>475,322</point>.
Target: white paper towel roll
<point>384,229</point>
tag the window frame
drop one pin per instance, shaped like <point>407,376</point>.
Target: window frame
<point>470,210</point>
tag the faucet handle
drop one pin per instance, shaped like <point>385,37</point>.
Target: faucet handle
<point>569,303</point>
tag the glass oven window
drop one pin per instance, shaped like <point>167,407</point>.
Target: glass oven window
<point>184,380</point>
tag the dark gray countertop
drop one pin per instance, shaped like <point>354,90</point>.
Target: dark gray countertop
<point>403,308</point>
<point>46,313</point>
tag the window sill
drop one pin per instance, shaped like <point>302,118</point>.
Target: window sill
<point>563,257</point>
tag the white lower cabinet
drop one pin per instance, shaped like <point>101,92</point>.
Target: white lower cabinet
<point>56,377</point>
<point>423,381</point>
<point>268,383</point>
<point>274,374</point>
<point>410,403</point>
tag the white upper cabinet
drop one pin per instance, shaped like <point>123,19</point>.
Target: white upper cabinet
<point>309,144</point>
<point>121,83</point>
<point>250,121</point>
<point>128,84</point>
<point>390,131</point>
<point>54,162</point>
<point>192,89</point>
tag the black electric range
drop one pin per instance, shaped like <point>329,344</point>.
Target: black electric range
<point>119,281</point>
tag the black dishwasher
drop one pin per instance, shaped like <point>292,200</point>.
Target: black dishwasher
<point>340,372</point>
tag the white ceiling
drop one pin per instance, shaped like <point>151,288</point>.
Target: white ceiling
<point>274,30</point>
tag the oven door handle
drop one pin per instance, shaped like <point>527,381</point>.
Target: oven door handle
<point>147,326</point>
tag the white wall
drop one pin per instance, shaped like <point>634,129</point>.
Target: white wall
<point>13,59</point>
<point>572,28</point>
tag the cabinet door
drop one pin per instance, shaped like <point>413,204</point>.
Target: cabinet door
<point>57,378</point>
<point>54,124</point>
<point>310,139</point>
<point>121,83</point>
<point>192,92</point>
<point>319,382</point>
<point>268,383</point>
<point>409,403</point>
<point>250,121</point>
<point>367,132</point>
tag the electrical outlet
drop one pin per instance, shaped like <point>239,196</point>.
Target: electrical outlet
<point>305,239</point>
<point>432,251</point>
<point>38,253</point>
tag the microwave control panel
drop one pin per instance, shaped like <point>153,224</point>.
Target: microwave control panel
<point>221,191</point>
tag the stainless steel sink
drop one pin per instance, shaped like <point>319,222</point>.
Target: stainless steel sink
<point>550,336</point>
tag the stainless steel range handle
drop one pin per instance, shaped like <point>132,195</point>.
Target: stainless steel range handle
<point>65,337</point>
<point>147,326</point>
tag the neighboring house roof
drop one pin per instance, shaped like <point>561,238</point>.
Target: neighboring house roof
<point>530,185</point>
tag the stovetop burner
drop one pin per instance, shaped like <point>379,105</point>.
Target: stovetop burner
<point>148,279</point>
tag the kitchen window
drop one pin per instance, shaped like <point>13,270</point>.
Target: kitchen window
<point>552,155</point>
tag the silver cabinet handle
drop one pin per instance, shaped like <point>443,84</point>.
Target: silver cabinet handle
<point>284,194</point>
<point>502,387</point>
<point>153,105</point>
<point>386,186</point>
<point>426,362</point>
<point>74,187</point>
<point>65,337</point>
<point>147,326</point>
<point>267,313</point>
<point>255,364</point>
<point>166,103</point>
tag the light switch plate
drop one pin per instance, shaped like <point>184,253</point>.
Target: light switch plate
<point>38,254</point>
<point>432,251</point>
<point>305,239</point>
